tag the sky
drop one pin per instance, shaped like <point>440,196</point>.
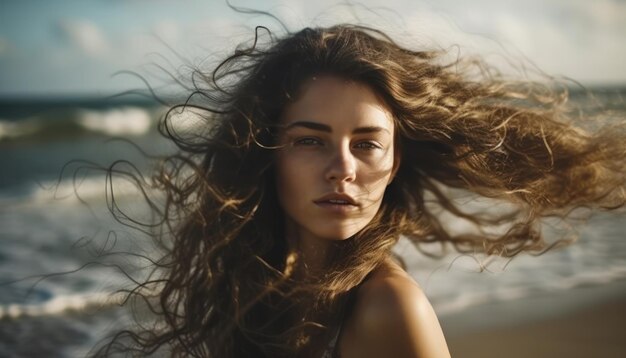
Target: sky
<point>74,48</point>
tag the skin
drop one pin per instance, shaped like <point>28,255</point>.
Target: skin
<point>338,138</point>
<point>392,318</point>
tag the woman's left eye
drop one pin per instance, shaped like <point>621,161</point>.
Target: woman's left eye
<point>367,145</point>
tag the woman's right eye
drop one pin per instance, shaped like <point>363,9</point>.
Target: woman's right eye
<point>307,141</point>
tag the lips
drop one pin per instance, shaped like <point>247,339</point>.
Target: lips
<point>337,201</point>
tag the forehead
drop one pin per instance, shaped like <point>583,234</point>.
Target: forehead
<point>338,103</point>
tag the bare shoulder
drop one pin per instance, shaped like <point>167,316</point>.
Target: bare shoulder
<point>393,317</point>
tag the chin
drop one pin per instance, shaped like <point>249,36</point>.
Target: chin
<point>337,234</point>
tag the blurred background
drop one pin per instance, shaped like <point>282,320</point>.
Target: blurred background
<point>69,91</point>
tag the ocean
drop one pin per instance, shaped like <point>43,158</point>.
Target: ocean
<point>56,233</point>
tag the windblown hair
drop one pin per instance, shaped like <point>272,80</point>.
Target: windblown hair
<point>225,285</point>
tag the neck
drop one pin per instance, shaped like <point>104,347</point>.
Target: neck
<point>312,251</point>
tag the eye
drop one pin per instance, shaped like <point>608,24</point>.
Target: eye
<point>367,145</point>
<point>307,141</point>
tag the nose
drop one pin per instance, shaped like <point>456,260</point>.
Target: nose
<point>342,166</point>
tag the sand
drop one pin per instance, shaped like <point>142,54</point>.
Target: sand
<point>581,322</point>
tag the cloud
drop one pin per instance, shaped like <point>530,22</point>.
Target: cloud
<point>578,39</point>
<point>84,35</point>
<point>167,30</point>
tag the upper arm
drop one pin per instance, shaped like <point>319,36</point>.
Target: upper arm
<point>396,320</point>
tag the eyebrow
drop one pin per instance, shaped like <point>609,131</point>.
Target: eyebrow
<point>325,128</point>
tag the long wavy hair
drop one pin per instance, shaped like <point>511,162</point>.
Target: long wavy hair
<point>224,285</point>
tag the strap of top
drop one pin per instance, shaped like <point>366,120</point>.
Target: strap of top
<point>330,350</point>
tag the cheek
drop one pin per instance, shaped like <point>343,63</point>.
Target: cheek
<point>377,176</point>
<point>292,176</point>
<point>285,169</point>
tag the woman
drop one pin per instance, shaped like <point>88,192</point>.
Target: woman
<point>319,150</point>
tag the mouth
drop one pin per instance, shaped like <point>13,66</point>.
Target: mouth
<point>337,202</point>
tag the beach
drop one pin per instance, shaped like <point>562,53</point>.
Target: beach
<point>57,233</point>
<point>582,322</point>
<point>85,85</point>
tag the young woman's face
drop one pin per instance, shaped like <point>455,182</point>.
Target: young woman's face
<point>336,159</point>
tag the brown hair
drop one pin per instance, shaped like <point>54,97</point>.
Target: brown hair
<point>224,285</point>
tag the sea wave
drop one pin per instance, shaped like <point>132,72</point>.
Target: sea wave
<point>457,282</point>
<point>460,302</point>
<point>61,305</point>
<point>116,121</point>
<point>92,188</point>
<point>443,303</point>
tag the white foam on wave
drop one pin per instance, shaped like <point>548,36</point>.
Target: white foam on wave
<point>189,120</point>
<point>458,281</point>
<point>117,121</point>
<point>72,191</point>
<point>12,130</point>
<point>61,305</point>
<point>455,289</point>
